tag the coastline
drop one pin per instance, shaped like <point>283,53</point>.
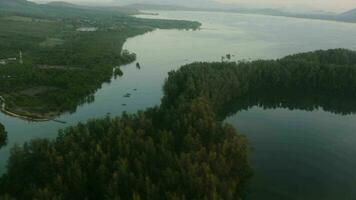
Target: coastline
<point>30,117</point>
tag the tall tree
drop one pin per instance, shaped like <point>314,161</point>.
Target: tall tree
<point>3,136</point>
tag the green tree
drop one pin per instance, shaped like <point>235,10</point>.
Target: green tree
<point>3,136</point>
<point>182,149</point>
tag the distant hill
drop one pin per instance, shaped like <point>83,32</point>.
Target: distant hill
<point>59,9</point>
<point>142,6</point>
<point>349,16</point>
<point>13,3</point>
<point>19,6</point>
<point>122,10</point>
<point>62,4</point>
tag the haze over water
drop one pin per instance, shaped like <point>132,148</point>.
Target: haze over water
<point>294,151</point>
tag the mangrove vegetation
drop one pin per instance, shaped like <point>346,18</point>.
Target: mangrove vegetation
<point>51,64</point>
<point>308,81</point>
<point>182,149</point>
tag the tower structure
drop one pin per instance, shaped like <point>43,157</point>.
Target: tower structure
<point>21,60</point>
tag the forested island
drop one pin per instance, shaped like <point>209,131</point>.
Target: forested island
<point>54,57</point>
<point>181,149</point>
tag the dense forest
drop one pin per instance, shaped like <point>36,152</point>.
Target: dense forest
<point>190,156</point>
<point>182,149</point>
<point>65,58</point>
<point>3,136</point>
<point>304,81</point>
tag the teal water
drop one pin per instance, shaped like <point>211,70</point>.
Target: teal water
<point>297,154</point>
<point>300,154</point>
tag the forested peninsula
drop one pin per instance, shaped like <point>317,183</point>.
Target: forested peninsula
<point>182,149</point>
<point>307,81</point>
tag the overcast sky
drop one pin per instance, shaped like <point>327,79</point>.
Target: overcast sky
<point>329,5</point>
<point>332,5</point>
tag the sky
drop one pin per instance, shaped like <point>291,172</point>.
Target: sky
<point>326,5</point>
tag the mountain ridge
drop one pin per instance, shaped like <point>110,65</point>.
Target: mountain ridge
<point>59,9</point>
<point>349,15</point>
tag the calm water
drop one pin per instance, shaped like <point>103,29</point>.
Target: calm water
<point>297,154</point>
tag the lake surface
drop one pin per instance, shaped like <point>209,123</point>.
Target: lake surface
<point>297,154</point>
<point>300,154</point>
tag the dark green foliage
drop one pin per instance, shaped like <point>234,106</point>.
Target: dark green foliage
<point>180,150</point>
<point>321,78</point>
<point>63,67</point>
<point>190,156</point>
<point>3,136</point>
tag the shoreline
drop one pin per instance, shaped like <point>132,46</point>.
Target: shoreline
<point>22,116</point>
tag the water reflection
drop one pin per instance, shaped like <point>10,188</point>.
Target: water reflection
<point>291,101</point>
